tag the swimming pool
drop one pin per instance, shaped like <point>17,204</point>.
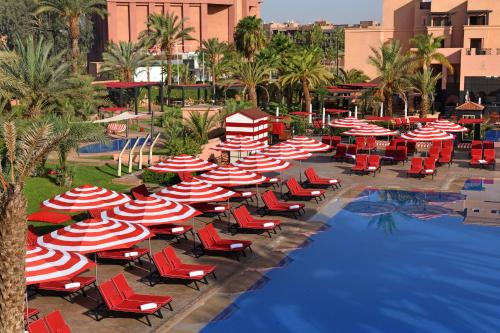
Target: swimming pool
<point>392,262</point>
<point>112,146</point>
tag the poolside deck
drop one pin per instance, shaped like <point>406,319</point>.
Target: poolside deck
<point>193,309</point>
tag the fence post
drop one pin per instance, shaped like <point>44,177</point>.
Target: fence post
<point>120,158</point>
<point>142,148</point>
<point>150,160</point>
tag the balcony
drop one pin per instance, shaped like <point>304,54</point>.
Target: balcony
<point>482,51</point>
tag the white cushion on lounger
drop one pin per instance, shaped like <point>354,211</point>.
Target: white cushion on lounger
<point>482,161</point>
<point>178,229</point>
<point>131,254</point>
<point>236,246</point>
<point>268,224</point>
<point>148,306</point>
<point>72,285</point>
<point>333,181</point>
<point>315,192</point>
<point>246,194</point>
<point>429,170</point>
<point>294,207</point>
<point>220,208</point>
<point>372,168</point>
<point>196,273</point>
<point>273,179</point>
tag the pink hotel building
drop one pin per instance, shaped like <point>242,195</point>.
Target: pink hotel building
<point>472,43</point>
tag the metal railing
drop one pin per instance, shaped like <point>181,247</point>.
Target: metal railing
<point>482,51</point>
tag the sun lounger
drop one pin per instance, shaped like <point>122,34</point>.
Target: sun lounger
<point>68,288</point>
<point>185,176</point>
<point>140,192</point>
<point>52,323</point>
<point>30,313</point>
<point>476,157</point>
<point>446,156</point>
<point>361,164</point>
<point>211,241</point>
<point>129,256</point>
<point>246,221</point>
<point>416,167</point>
<point>429,167</point>
<point>172,230</point>
<point>340,152</point>
<point>122,285</point>
<point>49,217</point>
<point>314,179</point>
<point>273,205</point>
<point>489,157</point>
<point>295,190</point>
<point>373,164</point>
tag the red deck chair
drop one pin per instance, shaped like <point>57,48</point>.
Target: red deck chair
<point>373,164</point>
<point>476,157</point>
<point>488,145</point>
<point>434,152</point>
<point>70,288</point>
<point>295,190</point>
<point>212,209</point>
<point>489,157</point>
<point>246,221</point>
<point>340,152</point>
<point>331,140</point>
<point>398,122</point>
<point>437,144</point>
<point>117,301</point>
<point>172,230</point>
<point>429,167</point>
<point>416,167</point>
<point>273,205</point>
<point>128,256</point>
<point>169,266</point>
<point>52,323</point>
<point>38,326</point>
<point>185,176</point>
<point>411,147</point>
<point>371,143</point>
<point>446,156</point>
<point>245,195</point>
<point>360,142</point>
<point>49,217</point>
<point>352,150</point>
<point>314,179</point>
<point>140,192</point>
<point>273,181</point>
<point>390,153</point>
<point>361,164</point>
<point>401,154</point>
<point>122,285</point>
<point>30,313</point>
<point>448,144</point>
<point>211,241</point>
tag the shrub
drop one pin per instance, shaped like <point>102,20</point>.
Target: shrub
<point>165,179</point>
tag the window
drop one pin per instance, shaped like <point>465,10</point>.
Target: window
<point>478,17</point>
<point>476,43</point>
<point>440,20</point>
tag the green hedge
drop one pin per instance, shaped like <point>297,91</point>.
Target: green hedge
<point>160,178</point>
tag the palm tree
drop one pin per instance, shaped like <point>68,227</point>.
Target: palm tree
<point>250,74</point>
<point>426,51</point>
<point>124,59</point>
<point>352,75</point>
<point>392,67</point>
<point>165,31</point>
<point>249,36</point>
<point>305,68</point>
<point>71,11</point>
<point>213,52</point>
<point>200,124</point>
<point>23,153</point>
<point>424,83</point>
<point>39,78</point>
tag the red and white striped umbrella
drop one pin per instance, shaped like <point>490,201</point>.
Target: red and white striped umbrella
<point>151,211</point>
<point>47,265</point>
<point>86,197</point>
<point>182,163</point>
<point>283,151</point>
<point>307,144</point>
<point>194,191</point>
<point>261,163</point>
<point>370,130</point>
<point>427,133</point>
<point>425,212</point>
<point>448,126</point>
<point>95,235</point>
<point>240,144</point>
<point>348,122</point>
<point>230,176</point>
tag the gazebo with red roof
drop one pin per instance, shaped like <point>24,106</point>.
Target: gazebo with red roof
<point>470,115</point>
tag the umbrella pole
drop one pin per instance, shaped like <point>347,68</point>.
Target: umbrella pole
<point>257,195</point>
<point>194,237</point>
<point>27,305</point>
<point>300,171</point>
<point>281,185</point>
<point>95,260</point>
<point>228,216</point>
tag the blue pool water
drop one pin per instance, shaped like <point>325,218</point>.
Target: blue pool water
<point>492,135</point>
<point>392,262</point>
<point>113,145</point>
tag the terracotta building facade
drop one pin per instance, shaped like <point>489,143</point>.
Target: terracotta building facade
<point>126,19</point>
<point>472,43</point>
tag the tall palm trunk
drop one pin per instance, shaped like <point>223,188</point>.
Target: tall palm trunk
<point>307,96</point>
<point>252,94</point>
<point>12,254</point>
<point>74,30</point>
<point>424,109</point>
<point>388,104</point>
<point>169,67</point>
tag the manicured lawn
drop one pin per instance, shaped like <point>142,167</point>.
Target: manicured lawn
<point>40,188</point>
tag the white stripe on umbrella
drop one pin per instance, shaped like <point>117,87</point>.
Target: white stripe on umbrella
<point>348,122</point>
<point>240,144</point>
<point>261,163</point>
<point>448,126</point>
<point>194,191</point>
<point>283,151</point>
<point>370,130</point>
<point>427,134</point>
<point>95,235</point>
<point>307,144</point>
<point>151,211</point>
<point>86,197</point>
<point>183,163</point>
<point>47,265</point>
<point>230,176</point>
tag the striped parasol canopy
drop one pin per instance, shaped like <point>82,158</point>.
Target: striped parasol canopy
<point>370,130</point>
<point>307,144</point>
<point>370,208</point>
<point>182,163</point>
<point>261,163</point>
<point>240,144</point>
<point>231,176</point>
<point>95,235</point>
<point>425,212</point>
<point>348,122</point>
<point>427,133</point>
<point>86,197</point>
<point>48,265</point>
<point>283,151</point>
<point>151,211</point>
<point>194,191</point>
<point>448,126</point>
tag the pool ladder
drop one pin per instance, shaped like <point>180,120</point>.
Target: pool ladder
<point>131,153</point>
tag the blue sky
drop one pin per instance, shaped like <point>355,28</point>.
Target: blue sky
<point>336,11</point>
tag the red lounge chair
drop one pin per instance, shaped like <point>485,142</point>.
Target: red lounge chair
<point>446,156</point>
<point>273,181</point>
<point>140,192</point>
<point>211,241</point>
<point>434,152</point>
<point>340,152</point>
<point>118,301</point>
<point>331,140</point>
<point>272,204</point>
<point>361,164</point>
<point>416,167</point>
<point>70,288</point>
<point>429,167</point>
<point>477,144</point>
<point>185,176</point>
<point>360,142</point>
<point>448,144</point>
<point>401,154</point>
<point>129,256</point>
<point>295,190</point>
<point>352,150</point>
<point>437,145</point>
<point>390,152</point>
<point>373,164</point>
<point>169,266</point>
<point>371,143</point>
<point>411,147</point>
<point>247,221</point>
<point>172,230</point>
<point>488,145</point>
<point>49,217</point>
<point>314,179</point>
<point>52,323</point>
<point>489,157</point>
<point>122,285</point>
<point>476,157</point>
<point>30,313</point>
<point>212,209</point>
<point>245,195</point>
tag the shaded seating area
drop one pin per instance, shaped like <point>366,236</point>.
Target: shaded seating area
<point>68,289</point>
<point>212,242</point>
<point>51,323</point>
<point>246,221</point>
